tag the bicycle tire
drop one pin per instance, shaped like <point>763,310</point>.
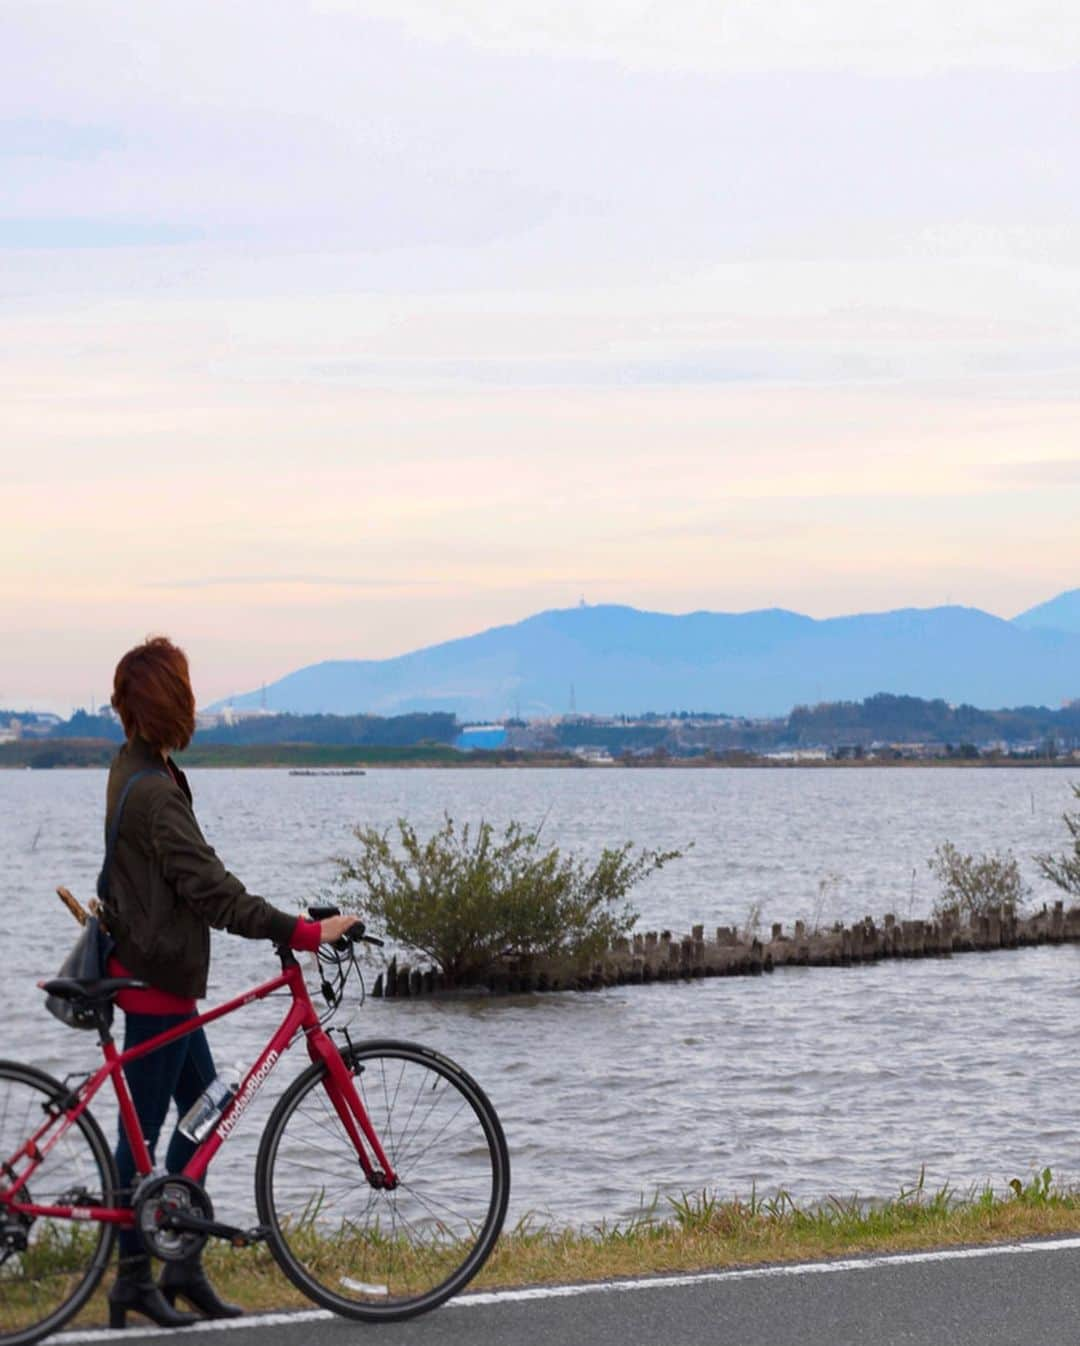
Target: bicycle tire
<point>429,1239</point>
<point>91,1174</point>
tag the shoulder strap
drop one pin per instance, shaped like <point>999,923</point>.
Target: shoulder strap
<point>114,829</point>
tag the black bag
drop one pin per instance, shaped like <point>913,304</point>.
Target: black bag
<point>85,962</point>
<point>90,954</point>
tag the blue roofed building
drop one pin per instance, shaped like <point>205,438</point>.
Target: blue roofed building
<point>475,736</point>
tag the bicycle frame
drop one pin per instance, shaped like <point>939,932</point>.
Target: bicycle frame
<point>300,1017</point>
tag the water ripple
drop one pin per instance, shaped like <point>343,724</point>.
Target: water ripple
<point>816,1080</point>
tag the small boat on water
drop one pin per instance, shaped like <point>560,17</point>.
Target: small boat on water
<point>329,771</point>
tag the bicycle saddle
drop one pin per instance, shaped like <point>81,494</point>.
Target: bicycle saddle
<point>92,992</point>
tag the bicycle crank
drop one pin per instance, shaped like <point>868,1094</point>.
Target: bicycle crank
<point>160,1203</point>
<point>239,1238</point>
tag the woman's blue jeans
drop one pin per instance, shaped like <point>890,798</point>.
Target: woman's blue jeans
<point>179,1071</point>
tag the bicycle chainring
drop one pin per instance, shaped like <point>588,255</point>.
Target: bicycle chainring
<point>14,1226</point>
<point>155,1200</point>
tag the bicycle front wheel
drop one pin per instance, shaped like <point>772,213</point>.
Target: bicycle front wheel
<point>370,1253</point>
<point>49,1267</point>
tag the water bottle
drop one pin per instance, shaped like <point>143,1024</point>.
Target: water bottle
<point>199,1120</point>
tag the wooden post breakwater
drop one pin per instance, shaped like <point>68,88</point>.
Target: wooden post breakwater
<point>660,956</point>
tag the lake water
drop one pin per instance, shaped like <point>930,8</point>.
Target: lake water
<point>824,1081</point>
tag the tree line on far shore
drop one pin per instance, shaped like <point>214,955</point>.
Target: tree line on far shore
<point>884,718</point>
<point>392,731</point>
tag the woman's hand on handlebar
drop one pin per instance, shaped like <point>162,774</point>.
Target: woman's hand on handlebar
<point>338,930</point>
<point>332,929</point>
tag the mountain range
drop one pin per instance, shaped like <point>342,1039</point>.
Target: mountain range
<point>610,659</point>
<point>1059,614</point>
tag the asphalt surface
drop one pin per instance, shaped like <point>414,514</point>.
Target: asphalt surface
<point>1025,1295</point>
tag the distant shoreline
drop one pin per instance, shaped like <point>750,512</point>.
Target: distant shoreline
<point>50,754</point>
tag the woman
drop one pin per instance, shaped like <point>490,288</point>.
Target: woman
<point>164,890</point>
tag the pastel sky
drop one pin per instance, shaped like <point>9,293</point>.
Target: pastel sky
<point>332,329</point>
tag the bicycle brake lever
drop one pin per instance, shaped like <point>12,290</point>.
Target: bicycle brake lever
<point>342,944</point>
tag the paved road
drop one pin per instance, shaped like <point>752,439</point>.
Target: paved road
<point>1020,1295</point>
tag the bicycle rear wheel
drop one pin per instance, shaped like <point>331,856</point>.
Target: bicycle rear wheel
<point>374,1254</point>
<point>49,1268</point>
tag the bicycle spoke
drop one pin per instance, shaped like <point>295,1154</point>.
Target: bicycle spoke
<point>376,1252</point>
<point>329,1149</point>
<point>50,1264</point>
<point>445,1143</point>
<point>335,1128</point>
<point>388,1103</point>
<point>430,1142</point>
<point>420,1123</point>
<point>429,1202</point>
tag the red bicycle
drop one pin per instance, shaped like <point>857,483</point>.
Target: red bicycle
<point>381,1181</point>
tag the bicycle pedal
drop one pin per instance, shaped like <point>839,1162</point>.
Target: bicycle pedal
<point>246,1238</point>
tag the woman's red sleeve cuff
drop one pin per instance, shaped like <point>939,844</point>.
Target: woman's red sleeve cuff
<point>306,936</point>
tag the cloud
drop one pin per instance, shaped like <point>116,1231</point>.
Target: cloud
<point>748,35</point>
<point>363,130</point>
<point>307,581</point>
<point>505,296</point>
<point>75,232</point>
<point>23,137</point>
<point>559,373</point>
<point>1039,473</point>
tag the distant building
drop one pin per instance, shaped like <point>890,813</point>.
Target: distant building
<point>536,736</point>
<point>798,755</point>
<point>595,756</point>
<point>229,715</point>
<point>38,724</point>
<point>475,736</point>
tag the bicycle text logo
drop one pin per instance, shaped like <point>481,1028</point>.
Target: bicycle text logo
<point>245,1096</point>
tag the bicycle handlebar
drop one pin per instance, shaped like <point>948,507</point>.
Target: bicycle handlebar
<point>354,935</point>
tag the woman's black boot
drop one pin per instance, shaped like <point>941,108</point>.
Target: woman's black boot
<point>190,1280</point>
<point>134,1291</point>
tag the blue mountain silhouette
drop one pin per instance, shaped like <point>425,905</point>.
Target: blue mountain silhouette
<point>611,659</point>
<point>1060,614</point>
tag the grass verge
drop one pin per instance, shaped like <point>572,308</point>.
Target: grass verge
<point>701,1231</point>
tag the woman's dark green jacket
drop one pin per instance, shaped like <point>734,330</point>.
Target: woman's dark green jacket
<point>167,886</point>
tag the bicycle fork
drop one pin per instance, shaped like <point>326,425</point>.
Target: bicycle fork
<point>343,1094</point>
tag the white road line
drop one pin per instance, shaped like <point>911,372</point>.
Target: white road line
<point>483,1298</point>
<point>762,1273</point>
<point>218,1325</point>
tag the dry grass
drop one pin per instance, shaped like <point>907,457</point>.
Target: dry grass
<point>701,1232</point>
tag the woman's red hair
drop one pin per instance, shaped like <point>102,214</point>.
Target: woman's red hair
<point>152,694</point>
